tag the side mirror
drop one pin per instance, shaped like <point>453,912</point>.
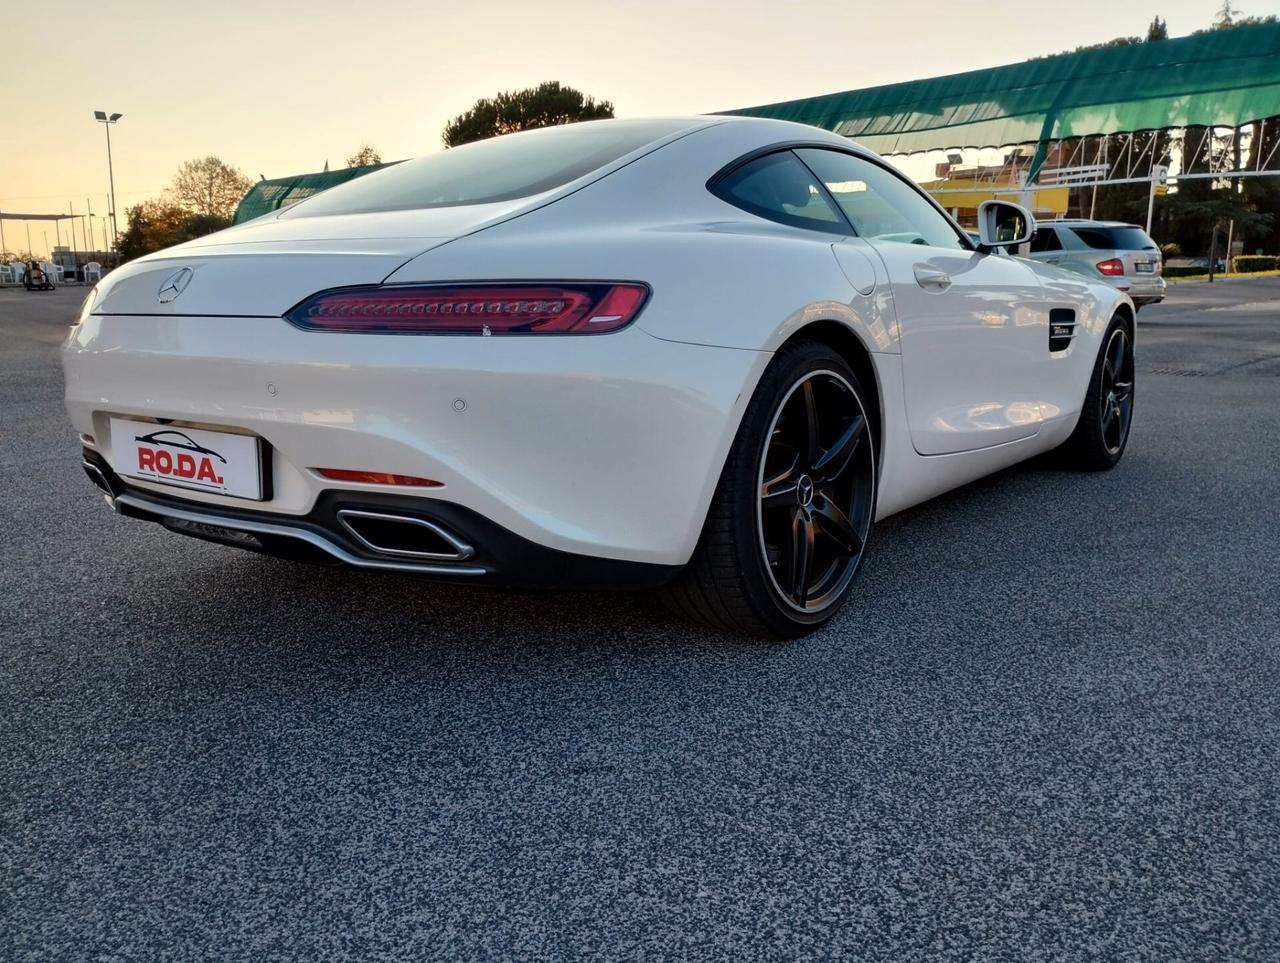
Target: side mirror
<point>1001,224</point>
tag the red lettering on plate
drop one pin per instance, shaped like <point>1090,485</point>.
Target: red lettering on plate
<point>207,473</point>
<point>182,465</point>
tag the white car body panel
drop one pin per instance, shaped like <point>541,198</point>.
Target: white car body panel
<point>263,284</point>
<point>555,435</point>
<point>974,347</point>
<point>608,446</point>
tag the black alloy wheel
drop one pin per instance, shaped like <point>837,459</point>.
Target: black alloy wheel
<point>1115,402</point>
<point>816,478</point>
<point>792,516</point>
<point>1106,414</point>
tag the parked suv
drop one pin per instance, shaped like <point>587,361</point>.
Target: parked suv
<point>1122,254</point>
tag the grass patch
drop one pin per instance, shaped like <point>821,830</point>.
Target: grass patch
<point>1231,275</point>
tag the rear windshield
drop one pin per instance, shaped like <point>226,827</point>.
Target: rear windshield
<point>498,169</point>
<point>1115,238</point>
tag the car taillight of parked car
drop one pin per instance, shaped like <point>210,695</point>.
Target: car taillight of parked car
<point>476,309</point>
<point>1112,267</point>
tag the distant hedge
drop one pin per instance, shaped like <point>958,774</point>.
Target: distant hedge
<point>1184,271</point>
<point>1248,263</point>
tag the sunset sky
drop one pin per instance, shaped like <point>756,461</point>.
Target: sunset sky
<point>278,88</point>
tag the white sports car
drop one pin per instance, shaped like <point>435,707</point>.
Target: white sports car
<point>702,353</point>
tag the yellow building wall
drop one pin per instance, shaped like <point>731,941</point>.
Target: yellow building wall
<point>964,193</point>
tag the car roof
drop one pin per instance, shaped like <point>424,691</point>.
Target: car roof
<point>769,128</point>
<point>1087,222</point>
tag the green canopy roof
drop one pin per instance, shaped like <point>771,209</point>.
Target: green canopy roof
<point>266,196</point>
<point>1227,78</point>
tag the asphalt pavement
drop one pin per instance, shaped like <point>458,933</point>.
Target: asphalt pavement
<point>1046,728</point>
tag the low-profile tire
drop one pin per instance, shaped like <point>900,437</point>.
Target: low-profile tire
<point>1102,433</point>
<point>792,515</point>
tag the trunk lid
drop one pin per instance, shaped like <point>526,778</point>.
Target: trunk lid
<point>264,267</point>
<point>1140,264</point>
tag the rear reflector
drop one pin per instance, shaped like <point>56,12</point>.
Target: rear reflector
<point>376,478</point>
<point>483,309</point>
<point>1112,267</point>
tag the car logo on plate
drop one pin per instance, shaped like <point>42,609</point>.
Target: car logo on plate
<point>192,462</point>
<point>175,284</point>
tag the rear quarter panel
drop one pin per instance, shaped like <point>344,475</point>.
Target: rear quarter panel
<point>719,276</point>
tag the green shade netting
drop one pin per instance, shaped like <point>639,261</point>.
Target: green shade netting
<point>1225,78</point>
<point>267,196</point>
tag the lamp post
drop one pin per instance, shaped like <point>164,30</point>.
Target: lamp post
<point>102,118</point>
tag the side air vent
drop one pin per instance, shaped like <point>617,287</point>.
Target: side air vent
<point>1062,328</point>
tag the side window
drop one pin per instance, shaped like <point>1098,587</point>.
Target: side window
<point>780,188</point>
<point>1045,239</point>
<point>880,204</point>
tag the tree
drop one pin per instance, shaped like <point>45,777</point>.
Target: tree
<point>209,186</point>
<point>364,157</point>
<point>1263,193</point>
<point>1231,19</point>
<point>1157,30</point>
<point>152,225</point>
<point>546,105</point>
<point>1218,207</point>
<point>160,223</point>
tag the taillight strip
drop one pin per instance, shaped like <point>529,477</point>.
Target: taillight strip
<point>498,308</point>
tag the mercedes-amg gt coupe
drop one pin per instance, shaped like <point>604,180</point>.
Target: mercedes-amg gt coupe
<point>700,354</point>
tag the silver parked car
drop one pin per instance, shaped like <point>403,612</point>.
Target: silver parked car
<point>1122,254</point>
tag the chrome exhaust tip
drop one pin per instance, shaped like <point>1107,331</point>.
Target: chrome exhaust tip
<point>97,477</point>
<point>404,536</point>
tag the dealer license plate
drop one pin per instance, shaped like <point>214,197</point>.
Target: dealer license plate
<point>192,458</point>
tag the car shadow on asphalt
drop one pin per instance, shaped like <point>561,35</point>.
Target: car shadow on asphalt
<point>258,601</point>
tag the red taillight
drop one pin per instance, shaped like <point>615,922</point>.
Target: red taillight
<point>482,309</point>
<point>376,478</point>
<point>1112,267</point>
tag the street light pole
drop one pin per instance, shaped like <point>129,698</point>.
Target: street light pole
<point>102,118</point>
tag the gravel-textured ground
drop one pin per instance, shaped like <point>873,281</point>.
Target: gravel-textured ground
<point>1047,729</point>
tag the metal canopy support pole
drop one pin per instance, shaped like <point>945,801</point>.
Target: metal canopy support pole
<point>1099,157</point>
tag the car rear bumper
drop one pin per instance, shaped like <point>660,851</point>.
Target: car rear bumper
<point>439,540</point>
<point>1143,290</point>
<point>606,446</point>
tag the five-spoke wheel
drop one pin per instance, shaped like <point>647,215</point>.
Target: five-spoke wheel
<point>792,516</point>
<point>1116,400</point>
<point>1102,431</point>
<point>816,481</point>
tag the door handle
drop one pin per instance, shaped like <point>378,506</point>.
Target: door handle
<point>932,278</point>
